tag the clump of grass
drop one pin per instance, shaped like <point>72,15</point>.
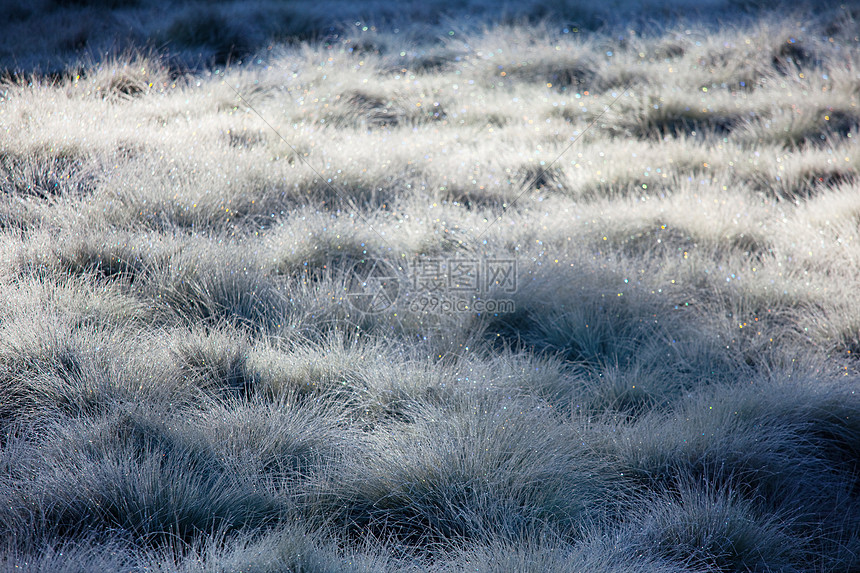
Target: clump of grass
<point>131,475</point>
<point>604,552</point>
<point>743,434</point>
<point>591,324</point>
<point>793,54</point>
<point>457,485</point>
<point>46,175</point>
<point>716,529</point>
<point>576,73</point>
<point>215,360</point>
<point>369,110</point>
<point>122,258</point>
<point>287,547</point>
<point>802,175</point>
<point>71,556</point>
<point>82,300</point>
<point>340,246</point>
<point>661,119</point>
<point>814,127</point>
<point>196,286</point>
<point>49,364</point>
<point>280,441</point>
<point>125,77</point>
<point>329,368</point>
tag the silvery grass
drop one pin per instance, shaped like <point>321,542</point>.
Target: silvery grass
<point>185,385</point>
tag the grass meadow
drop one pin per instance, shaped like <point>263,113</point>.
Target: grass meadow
<point>232,336</point>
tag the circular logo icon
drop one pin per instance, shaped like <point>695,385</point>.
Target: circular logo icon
<point>372,286</point>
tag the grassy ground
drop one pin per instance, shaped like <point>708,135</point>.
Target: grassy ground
<point>191,378</point>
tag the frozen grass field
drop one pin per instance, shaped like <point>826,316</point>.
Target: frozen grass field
<point>192,375</point>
